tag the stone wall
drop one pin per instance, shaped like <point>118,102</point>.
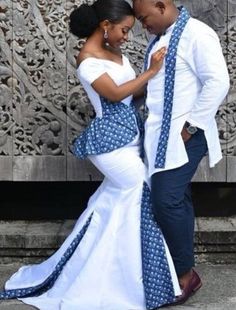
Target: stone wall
<point>43,106</point>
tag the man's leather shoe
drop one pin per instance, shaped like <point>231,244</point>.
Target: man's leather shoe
<point>194,284</point>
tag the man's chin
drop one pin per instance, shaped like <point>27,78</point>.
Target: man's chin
<point>153,32</point>
<point>150,31</point>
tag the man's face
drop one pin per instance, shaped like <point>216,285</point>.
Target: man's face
<point>150,15</point>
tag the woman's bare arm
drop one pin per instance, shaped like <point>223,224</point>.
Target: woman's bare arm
<point>107,88</point>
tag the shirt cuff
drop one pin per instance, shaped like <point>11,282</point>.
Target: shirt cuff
<point>196,124</point>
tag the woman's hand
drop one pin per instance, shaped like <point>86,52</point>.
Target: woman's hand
<point>157,59</point>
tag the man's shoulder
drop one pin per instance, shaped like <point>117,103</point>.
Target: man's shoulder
<point>197,28</point>
<point>197,25</point>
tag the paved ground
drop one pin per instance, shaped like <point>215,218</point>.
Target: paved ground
<point>218,291</point>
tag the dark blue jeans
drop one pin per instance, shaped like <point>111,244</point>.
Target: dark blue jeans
<point>172,204</point>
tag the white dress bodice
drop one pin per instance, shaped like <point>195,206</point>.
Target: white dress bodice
<point>92,68</point>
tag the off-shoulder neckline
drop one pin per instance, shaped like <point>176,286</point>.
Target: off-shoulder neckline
<point>103,59</point>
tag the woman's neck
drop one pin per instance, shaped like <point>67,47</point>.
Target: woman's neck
<point>97,44</point>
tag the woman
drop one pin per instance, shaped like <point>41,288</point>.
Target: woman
<point>115,258</point>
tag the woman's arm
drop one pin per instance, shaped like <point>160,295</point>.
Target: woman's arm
<point>107,88</point>
<point>140,93</point>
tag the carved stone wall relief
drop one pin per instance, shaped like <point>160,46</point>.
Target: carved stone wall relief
<point>231,106</point>
<point>42,104</point>
<point>7,83</point>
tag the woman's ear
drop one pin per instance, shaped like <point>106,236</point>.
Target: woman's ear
<point>105,24</point>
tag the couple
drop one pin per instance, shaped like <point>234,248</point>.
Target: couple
<point>116,258</point>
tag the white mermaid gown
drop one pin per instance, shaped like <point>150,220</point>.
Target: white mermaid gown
<point>104,271</point>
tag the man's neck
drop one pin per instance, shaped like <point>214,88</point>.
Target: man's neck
<point>174,16</point>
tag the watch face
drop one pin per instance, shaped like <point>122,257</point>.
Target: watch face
<point>191,130</point>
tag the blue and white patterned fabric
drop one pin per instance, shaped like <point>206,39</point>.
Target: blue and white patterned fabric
<point>170,63</point>
<point>117,127</point>
<point>157,280</point>
<point>169,87</point>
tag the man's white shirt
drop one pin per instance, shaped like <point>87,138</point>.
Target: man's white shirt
<point>201,84</point>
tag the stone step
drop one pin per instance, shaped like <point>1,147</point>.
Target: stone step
<point>29,241</point>
<point>215,239</point>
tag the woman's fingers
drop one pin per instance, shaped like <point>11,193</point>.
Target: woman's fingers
<point>157,59</point>
<point>159,54</point>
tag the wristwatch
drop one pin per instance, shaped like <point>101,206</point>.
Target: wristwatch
<point>190,128</point>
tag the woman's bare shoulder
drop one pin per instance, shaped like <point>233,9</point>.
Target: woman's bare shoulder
<point>82,56</point>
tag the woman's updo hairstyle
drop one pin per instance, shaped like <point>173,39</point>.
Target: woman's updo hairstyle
<point>86,18</point>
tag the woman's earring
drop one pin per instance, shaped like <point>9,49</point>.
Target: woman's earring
<point>106,37</point>
<point>105,34</point>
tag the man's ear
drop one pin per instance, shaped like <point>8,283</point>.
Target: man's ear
<point>161,6</point>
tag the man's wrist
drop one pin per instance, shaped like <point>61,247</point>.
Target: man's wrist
<point>191,129</point>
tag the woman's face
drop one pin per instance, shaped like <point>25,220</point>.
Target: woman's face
<point>118,33</point>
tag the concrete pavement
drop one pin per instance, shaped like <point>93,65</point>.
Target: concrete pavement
<point>217,293</point>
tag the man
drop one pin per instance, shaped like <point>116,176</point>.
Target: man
<point>182,100</point>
